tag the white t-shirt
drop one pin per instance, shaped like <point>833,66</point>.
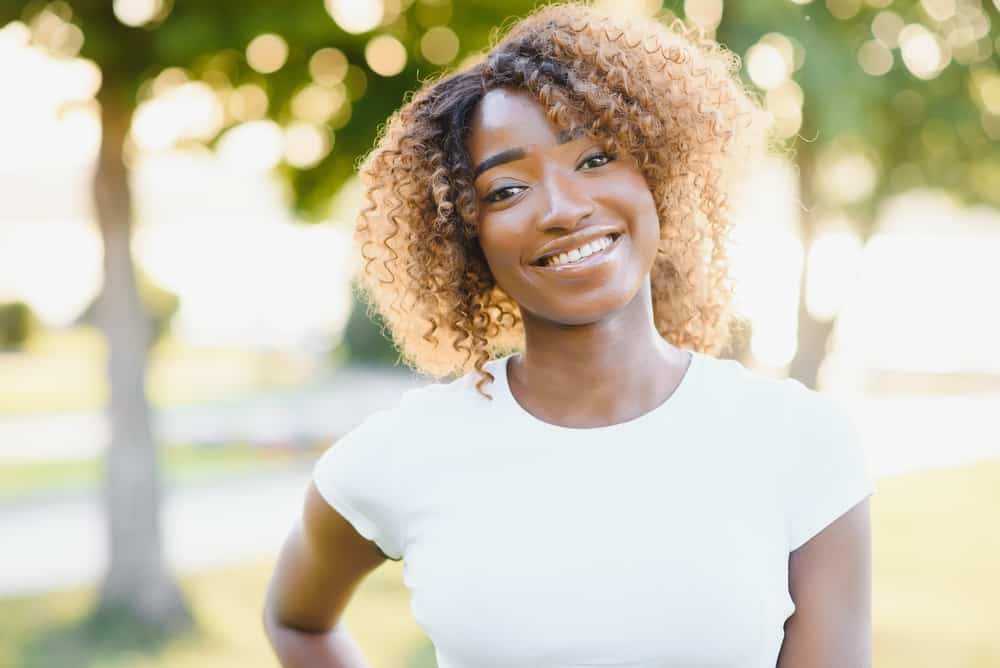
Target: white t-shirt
<point>661,541</point>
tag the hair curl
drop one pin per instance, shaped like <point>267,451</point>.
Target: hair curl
<point>667,96</point>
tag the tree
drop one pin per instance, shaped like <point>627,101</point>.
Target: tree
<point>896,95</point>
<point>133,43</point>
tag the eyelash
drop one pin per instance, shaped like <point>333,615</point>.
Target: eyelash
<point>493,198</point>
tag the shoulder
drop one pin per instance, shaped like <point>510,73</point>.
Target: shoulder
<point>435,404</point>
<point>781,405</point>
<point>729,379</point>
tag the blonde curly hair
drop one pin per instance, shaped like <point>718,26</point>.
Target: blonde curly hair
<point>667,96</point>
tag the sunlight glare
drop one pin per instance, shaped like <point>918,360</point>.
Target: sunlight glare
<point>191,110</point>
<point>57,280</point>
<point>832,267</point>
<point>766,258</point>
<point>253,146</point>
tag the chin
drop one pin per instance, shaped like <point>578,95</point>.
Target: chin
<point>586,310</point>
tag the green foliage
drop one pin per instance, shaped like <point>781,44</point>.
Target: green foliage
<point>363,338</point>
<point>919,133</point>
<point>17,322</point>
<point>209,39</point>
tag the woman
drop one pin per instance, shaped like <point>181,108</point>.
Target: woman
<point>594,487</point>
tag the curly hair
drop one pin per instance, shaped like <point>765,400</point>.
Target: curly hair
<point>667,96</point>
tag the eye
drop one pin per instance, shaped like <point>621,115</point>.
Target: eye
<point>506,192</point>
<point>596,160</point>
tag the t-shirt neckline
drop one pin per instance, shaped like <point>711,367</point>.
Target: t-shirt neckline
<point>672,405</point>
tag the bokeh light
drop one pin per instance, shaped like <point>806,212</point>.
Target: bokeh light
<point>706,14</point>
<point>626,8</point>
<point>53,31</point>
<point>922,51</point>
<point>256,146</point>
<point>267,53</point>
<point>984,85</point>
<point>844,9</point>
<point>169,78</point>
<point>768,64</point>
<point>847,173</point>
<point>886,27</point>
<point>785,105</point>
<point>134,13</point>
<point>317,104</point>
<point>439,45</point>
<point>875,58</point>
<point>328,66</point>
<point>247,102</point>
<point>939,10</point>
<point>355,16</point>
<point>191,110</point>
<point>385,55</point>
<point>306,144</point>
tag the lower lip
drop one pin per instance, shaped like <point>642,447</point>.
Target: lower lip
<point>590,262</point>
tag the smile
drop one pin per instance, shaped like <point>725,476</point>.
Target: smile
<point>591,255</point>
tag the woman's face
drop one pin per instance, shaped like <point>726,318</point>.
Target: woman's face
<point>542,194</point>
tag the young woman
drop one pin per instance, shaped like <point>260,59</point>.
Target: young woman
<point>593,487</point>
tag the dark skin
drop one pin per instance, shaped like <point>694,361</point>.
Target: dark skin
<point>592,358</point>
<point>592,329</point>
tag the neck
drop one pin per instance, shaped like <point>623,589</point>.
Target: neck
<point>598,373</point>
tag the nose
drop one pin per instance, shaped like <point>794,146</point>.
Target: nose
<point>567,199</point>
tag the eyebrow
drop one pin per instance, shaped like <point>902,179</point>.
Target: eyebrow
<point>510,155</point>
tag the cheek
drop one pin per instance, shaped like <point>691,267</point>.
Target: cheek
<point>500,248</point>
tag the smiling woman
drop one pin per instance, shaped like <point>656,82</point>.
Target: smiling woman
<point>664,102</point>
<point>620,496</point>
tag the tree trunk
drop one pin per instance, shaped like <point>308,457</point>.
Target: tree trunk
<point>813,335</point>
<point>137,584</point>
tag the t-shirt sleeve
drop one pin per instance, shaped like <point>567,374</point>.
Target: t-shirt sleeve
<point>827,470</point>
<point>355,476</point>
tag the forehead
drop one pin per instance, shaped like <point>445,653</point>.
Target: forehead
<point>507,119</point>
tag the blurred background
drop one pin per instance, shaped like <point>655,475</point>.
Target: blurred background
<point>179,339</point>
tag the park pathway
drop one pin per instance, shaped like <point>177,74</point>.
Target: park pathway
<point>58,541</point>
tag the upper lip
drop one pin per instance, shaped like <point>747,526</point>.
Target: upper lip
<point>574,240</point>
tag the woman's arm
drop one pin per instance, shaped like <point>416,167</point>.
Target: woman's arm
<point>320,565</point>
<point>829,580</point>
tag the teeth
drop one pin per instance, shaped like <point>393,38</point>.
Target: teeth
<point>580,253</point>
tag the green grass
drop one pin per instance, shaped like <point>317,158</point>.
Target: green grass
<point>936,596</point>
<point>181,463</point>
<point>43,632</point>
